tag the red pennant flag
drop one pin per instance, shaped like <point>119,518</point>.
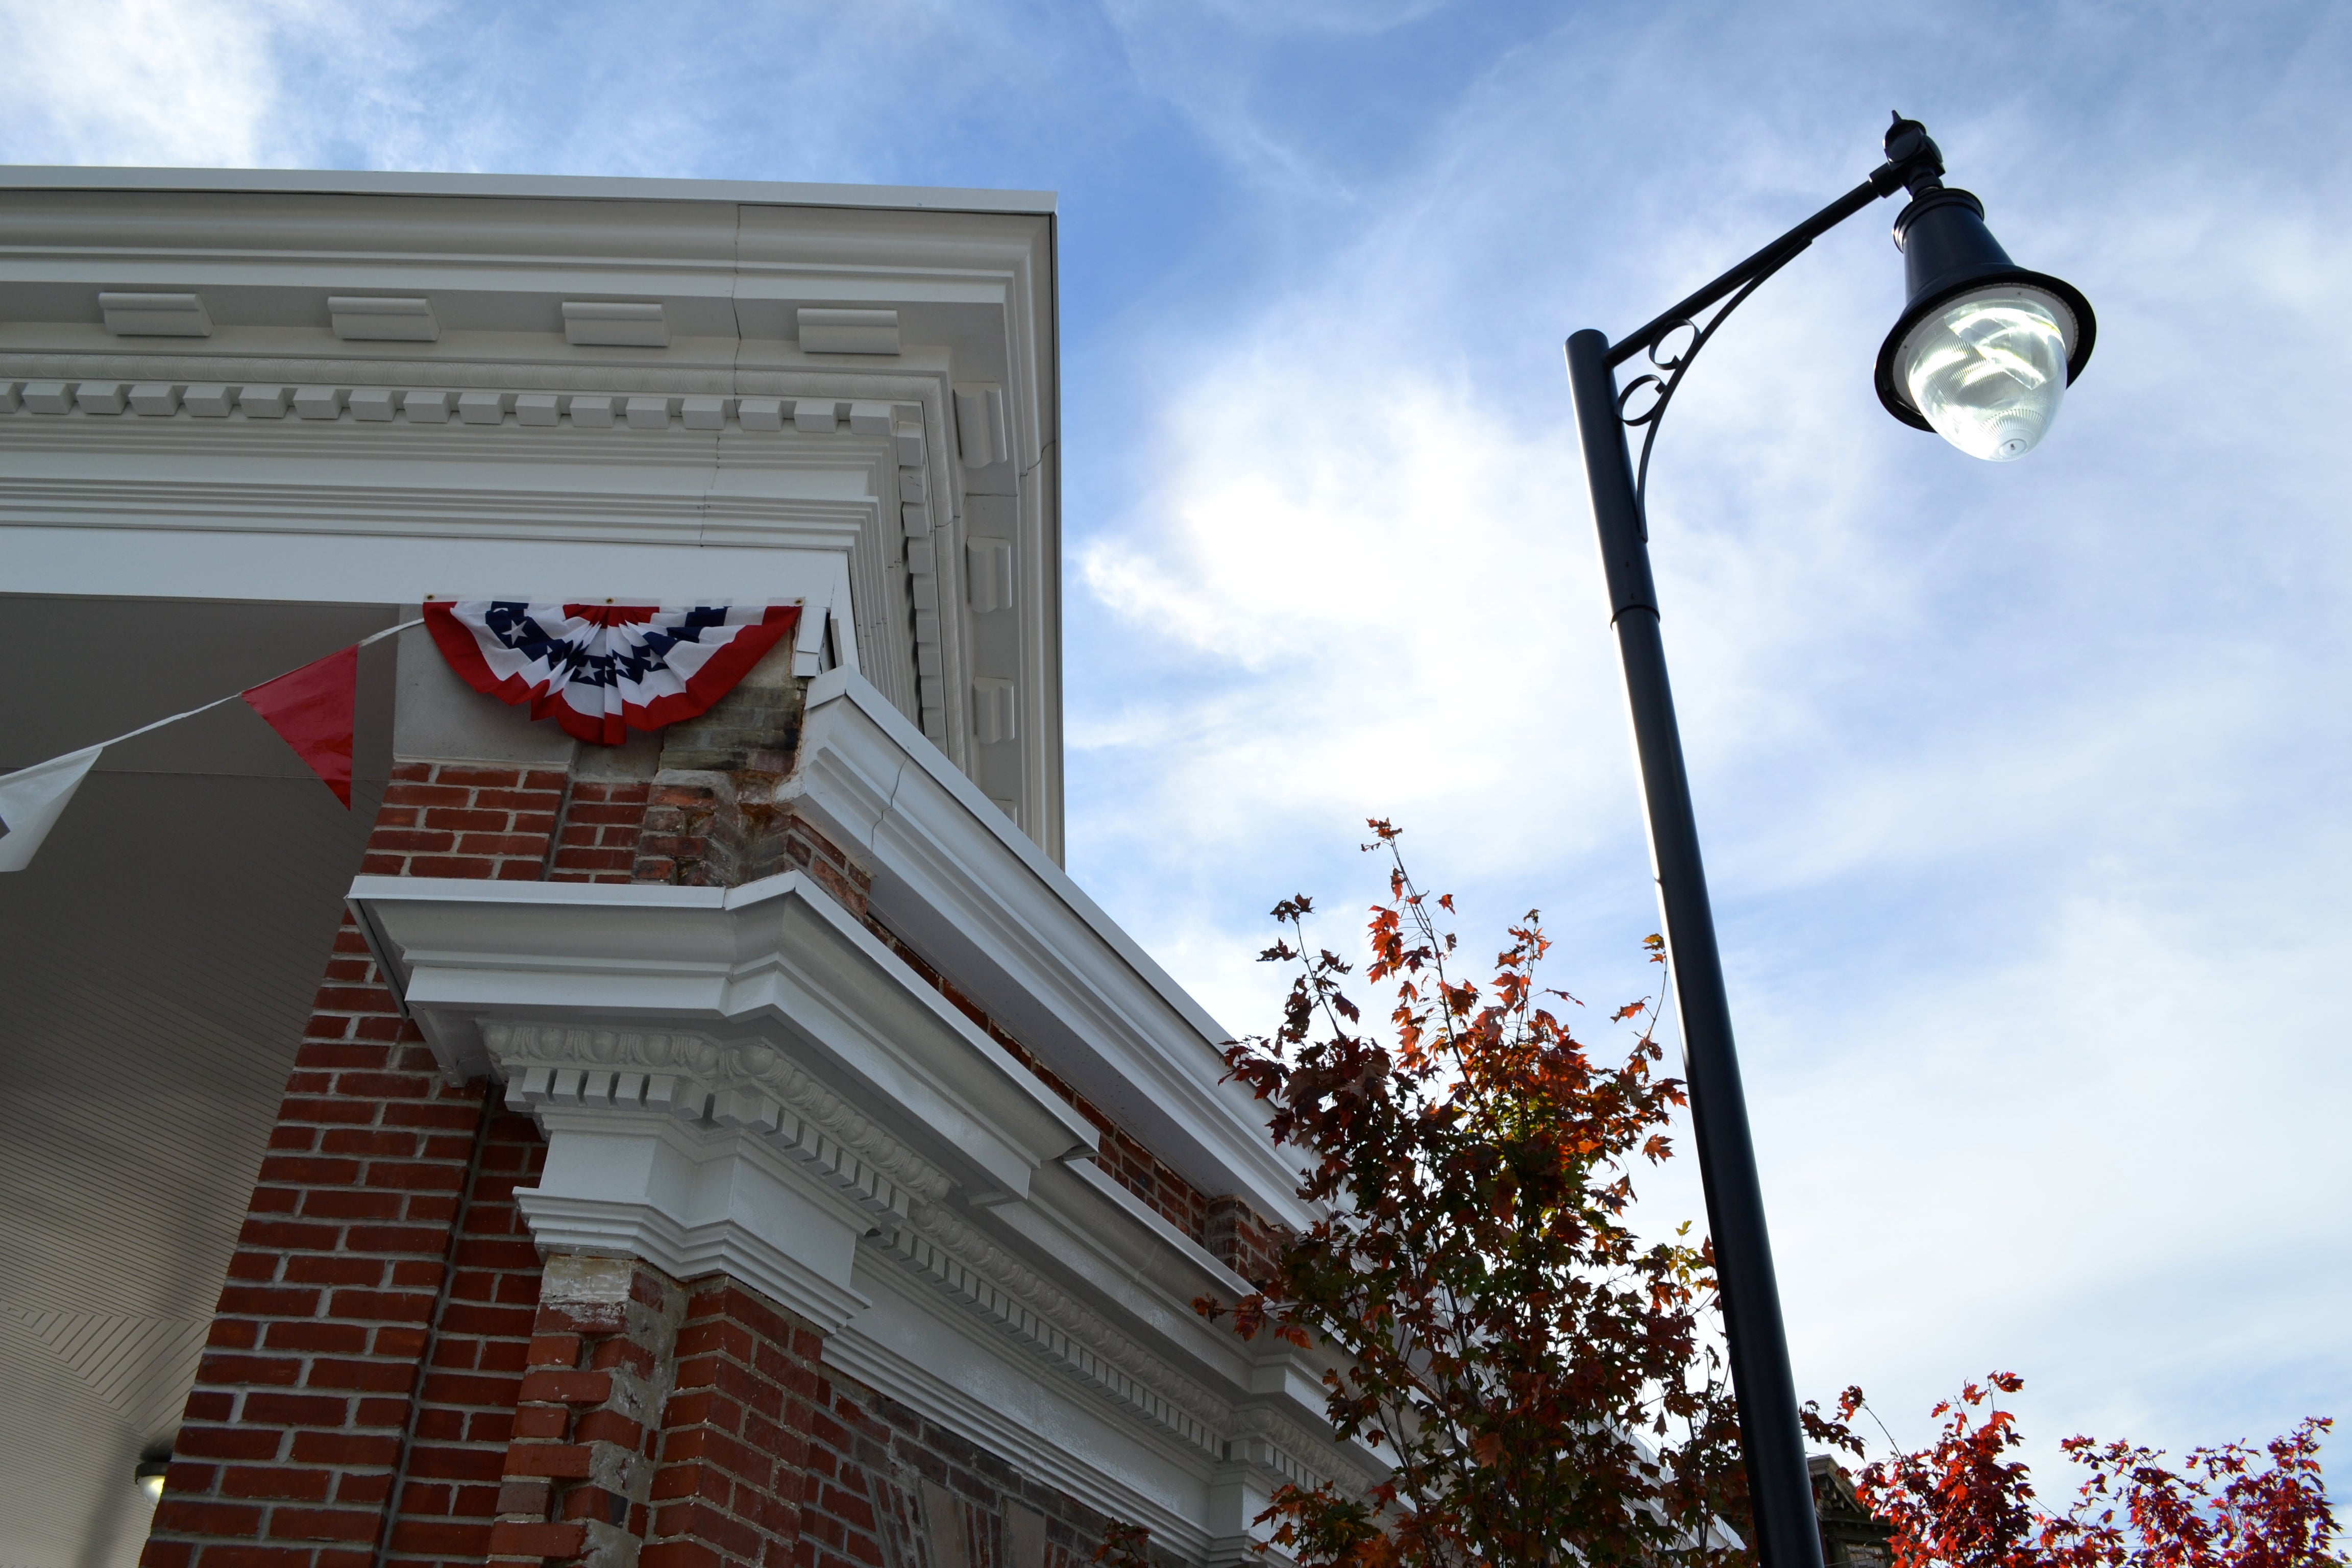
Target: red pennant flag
<point>311,709</point>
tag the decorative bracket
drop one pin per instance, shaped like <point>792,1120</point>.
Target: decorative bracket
<point>1913,162</point>
<point>1668,376</point>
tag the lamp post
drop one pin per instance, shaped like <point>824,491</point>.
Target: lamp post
<point>1982,355</point>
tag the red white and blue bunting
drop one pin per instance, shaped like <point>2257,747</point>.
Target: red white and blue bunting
<point>602,670</point>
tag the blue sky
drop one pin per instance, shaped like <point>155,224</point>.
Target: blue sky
<point>2023,786</point>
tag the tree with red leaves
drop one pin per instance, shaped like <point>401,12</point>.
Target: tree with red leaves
<point>1963,1502</point>
<point>1541,1380</point>
<point>1546,1387</point>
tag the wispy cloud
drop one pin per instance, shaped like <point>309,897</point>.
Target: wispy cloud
<point>142,81</point>
<point>2011,775</point>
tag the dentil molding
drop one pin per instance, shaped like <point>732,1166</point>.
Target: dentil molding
<point>749,1085</point>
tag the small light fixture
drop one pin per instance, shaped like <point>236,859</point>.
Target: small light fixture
<point>1985,348</point>
<point>148,1473</point>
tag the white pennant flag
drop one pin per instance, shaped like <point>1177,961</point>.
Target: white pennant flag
<point>32,799</point>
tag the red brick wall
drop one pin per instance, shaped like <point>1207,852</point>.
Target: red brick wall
<point>296,1423</point>
<point>465,819</point>
<point>734,1485</point>
<point>602,823</point>
<point>762,1456</point>
<point>770,1459</point>
<point>456,1453</point>
<point>385,1381</point>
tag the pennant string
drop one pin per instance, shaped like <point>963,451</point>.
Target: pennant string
<point>233,696</point>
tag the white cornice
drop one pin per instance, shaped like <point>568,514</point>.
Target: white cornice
<point>777,965</point>
<point>574,187</point>
<point>499,266</point>
<point>695,1077</point>
<point>976,896</point>
<point>746,1081</point>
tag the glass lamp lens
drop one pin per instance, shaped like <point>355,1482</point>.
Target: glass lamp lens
<point>1988,369</point>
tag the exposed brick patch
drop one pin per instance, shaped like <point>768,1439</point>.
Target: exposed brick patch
<point>465,819</point>
<point>603,822</point>
<point>722,830</point>
<point>579,1471</point>
<point>754,729</point>
<point>715,818</point>
<point>293,1431</point>
<point>1244,1241</point>
<point>1227,1227</point>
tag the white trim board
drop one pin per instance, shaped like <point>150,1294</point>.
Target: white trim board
<point>572,188</point>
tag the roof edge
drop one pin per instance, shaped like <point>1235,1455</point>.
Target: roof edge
<point>566,187</point>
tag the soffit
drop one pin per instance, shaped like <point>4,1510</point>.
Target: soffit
<point>157,961</point>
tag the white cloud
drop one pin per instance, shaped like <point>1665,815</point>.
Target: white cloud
<point>153,81</point>
<point>2010,775</point>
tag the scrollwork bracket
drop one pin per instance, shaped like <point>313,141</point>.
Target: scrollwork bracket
<point>1667,378</point>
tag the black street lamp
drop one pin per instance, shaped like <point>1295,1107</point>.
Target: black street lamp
<point>1982,354</point>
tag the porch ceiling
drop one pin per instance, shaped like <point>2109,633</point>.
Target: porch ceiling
<point>156,963</point>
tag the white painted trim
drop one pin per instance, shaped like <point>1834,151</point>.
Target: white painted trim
<point>969,275</point>
<point>746,1080</point>
<point>976,896</point>
<point>777,951</point>
<point>1107,1186</point>
<point>570,187</point>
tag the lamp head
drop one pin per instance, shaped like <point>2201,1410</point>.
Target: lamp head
<point>1984,350</point>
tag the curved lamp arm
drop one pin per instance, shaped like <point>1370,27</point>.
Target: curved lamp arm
<point>1913,163</point>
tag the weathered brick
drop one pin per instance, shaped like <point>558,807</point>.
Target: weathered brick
<point>300,1483</point>
<point>227,1442</point>
<point>188,1516</point>
<point>322,1524</point>
<point>434,838</point>
<point>509,1538</point>
<point>554,1461</point>
<point>283,1372</point>
<point>472,776</point>
<point>345,1448</point>
<point>554,1387</point>
<point>454,866</point>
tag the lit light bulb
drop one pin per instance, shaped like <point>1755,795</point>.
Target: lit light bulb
<point>1988,369</point>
